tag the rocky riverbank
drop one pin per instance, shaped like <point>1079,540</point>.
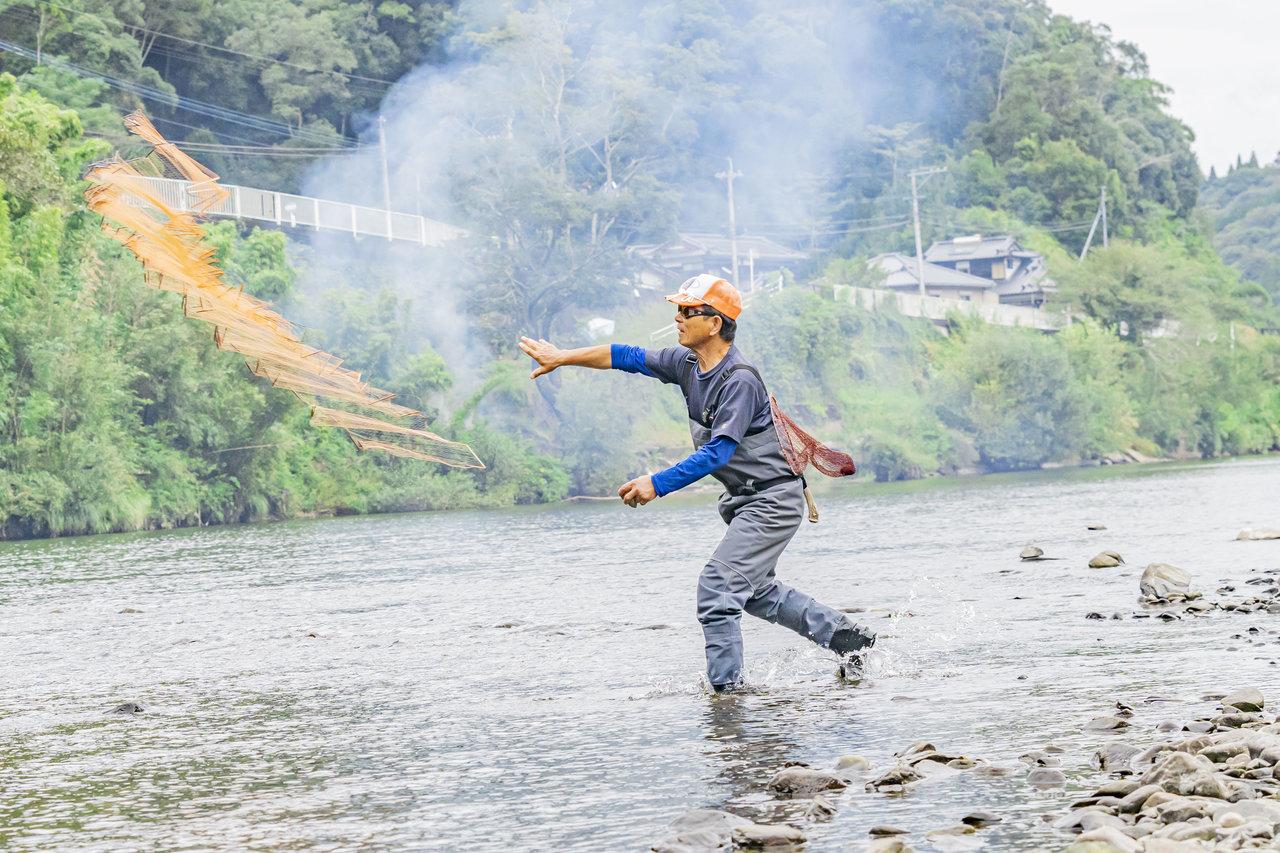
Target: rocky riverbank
<point>1209,784</point>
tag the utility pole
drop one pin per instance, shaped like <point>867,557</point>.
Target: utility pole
<point>915,215</point>
<point>1102,203</point>
<point>728,177</point>
<point>751,269</point>
<point>1098,218</point>
<point>386,181</point>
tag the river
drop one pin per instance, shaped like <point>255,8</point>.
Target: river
<point>530,679</point>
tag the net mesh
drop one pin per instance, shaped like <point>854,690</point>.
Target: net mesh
<point>801,449</point>
<point>170,244</point>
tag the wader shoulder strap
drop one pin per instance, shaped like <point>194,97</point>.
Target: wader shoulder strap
<point>713,398</point>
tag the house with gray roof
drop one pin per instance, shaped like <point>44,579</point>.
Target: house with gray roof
<point>1020,277</point>
<point>900,274</point>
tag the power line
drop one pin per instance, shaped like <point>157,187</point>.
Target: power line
<point>189,104</point>
<point>208,46</point>
<point>822,222</point>
<point>240,150</point>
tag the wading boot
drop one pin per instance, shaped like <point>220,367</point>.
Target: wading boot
<point>851,644</point>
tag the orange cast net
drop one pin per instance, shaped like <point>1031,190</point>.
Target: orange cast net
<point>170,244</point>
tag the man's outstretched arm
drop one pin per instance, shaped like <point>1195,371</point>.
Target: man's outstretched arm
<point>549,356</point>
<point>622,357</point>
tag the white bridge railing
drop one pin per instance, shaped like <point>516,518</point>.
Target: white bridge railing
<point>300,211</point>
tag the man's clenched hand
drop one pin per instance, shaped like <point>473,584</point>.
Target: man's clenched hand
<point>637,492</point>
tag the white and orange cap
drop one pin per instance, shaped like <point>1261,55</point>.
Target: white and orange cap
<point>707,289</point>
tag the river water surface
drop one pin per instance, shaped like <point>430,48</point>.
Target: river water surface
<point>530,679</point>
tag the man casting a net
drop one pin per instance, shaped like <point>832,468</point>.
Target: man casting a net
<point>732,422</point>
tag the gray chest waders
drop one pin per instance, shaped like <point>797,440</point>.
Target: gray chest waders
<point>763,504</point>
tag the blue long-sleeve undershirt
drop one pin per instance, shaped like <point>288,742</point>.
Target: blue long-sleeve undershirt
<point>712,455</point>
<point>707,458</point>
<point>628,359</point>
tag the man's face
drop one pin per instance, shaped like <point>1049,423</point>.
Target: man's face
<point>695,325</point>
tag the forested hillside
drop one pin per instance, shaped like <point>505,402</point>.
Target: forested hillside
<point>560,137</point>
<point>1243,208</point>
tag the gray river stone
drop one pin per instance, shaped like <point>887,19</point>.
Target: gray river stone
<point>700,830</point>
<point>894,779</point>
<point>884,830</point>
<point>127,708</point>
<point>1095,846</point>
<point>1115,756</point>
<point>1107,724</point>
<point>1046,777</point>
<point>1183,809</point>
<point>803,781</point>
<point>1161,580</point>
<point>950,831</point>
<point>755,836</point>
<point>853,762</point>
<point>820,808</point>
<point>1109,837</point>
<point>1031,552</point>
<point>1118,788</point>
<point>1248,699</point>
<point>981,819</point>
<point>1180,773</point>
<point>1256,535</point>
<point>1133,801</point>
<point>1106,560</point>
<point>889,845</point>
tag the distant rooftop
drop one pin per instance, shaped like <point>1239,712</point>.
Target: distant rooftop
<point>973,247</point>
<point>900,271</point>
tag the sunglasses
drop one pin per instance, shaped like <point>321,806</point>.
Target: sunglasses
<point>687,311</point>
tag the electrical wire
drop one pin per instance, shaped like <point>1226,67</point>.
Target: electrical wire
<point>243,150</point>
<point>188,104</point>
<point>208,46</point>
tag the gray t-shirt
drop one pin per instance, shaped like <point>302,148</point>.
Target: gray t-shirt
<point>741,406</point>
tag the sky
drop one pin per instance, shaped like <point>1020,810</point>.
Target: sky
<point>1219,58</point>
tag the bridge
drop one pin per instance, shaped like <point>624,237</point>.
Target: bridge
<point>318,214</point>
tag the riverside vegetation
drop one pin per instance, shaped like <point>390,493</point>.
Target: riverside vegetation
<point>120,415</point>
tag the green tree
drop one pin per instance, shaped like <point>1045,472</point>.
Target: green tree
<point>1015,392</point>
